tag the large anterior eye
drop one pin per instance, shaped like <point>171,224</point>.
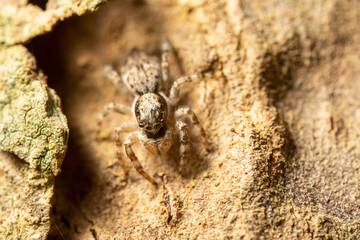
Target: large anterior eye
<point>161,107</point>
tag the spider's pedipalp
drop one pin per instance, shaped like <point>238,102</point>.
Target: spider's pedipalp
<point>165,142</point>
<point>148,145</point>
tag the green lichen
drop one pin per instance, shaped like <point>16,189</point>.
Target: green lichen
<point>32,125</point>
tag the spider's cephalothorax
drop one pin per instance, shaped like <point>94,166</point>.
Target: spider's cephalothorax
<point>146,76</point>
<point>151,114</point>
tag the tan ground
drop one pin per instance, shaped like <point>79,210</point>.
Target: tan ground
<point>280,105</point>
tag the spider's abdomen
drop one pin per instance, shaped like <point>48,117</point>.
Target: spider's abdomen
<point>141,73</point>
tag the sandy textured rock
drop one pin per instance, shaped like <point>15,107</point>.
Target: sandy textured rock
<point>25,201</point>
<point>279,103</point>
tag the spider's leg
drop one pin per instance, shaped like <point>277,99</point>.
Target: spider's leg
<point>165,49</point>
<point>116,107</point>
<point>130,141</point>
<point>175,89</point>
<point>112,75</point>
<point>123,128</point>
<point>184,143</point>
<point>185,112</point>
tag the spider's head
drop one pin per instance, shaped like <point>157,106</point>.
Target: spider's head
<point>151,113</point>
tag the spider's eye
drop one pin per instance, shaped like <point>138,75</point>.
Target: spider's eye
<point>137,112</point>
<point>141,124</point>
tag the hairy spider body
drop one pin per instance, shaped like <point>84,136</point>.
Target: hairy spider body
<point>141,73</point>
<point>154,112</point>
<point>151,112</point>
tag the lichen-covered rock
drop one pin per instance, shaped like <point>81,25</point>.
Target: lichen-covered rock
<point>279,103</point>
<point>32,125</point>
<point>34,133</point>
<point>33,129</point>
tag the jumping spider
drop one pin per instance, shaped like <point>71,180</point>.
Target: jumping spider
<point>155,113</point>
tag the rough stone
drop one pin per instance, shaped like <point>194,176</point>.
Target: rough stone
<point>279,104</point>
<point>33,142</point>
<point>20,21</point>
<point>34,131</point>
<point>284,153</point>
<point>32,124</point>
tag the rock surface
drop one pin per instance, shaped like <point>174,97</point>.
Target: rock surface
<point>22,20</point>
<point>34,131</point>
<point>33,140</point>
<point>32,124</point>
<point>279,103</point>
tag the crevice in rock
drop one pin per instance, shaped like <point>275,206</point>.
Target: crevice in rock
<point>76,178</point>
<point>40,3</point>
<point>60,54</point>
<point>280,65</point>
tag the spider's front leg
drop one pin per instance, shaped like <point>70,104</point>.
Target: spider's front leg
<point>130,141</point>
<point>112,75</point>
<point>165,52</point>
<point>123,128</point>
<point>175,89</point>
<point>116,107</point>
<point>184,136</point>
